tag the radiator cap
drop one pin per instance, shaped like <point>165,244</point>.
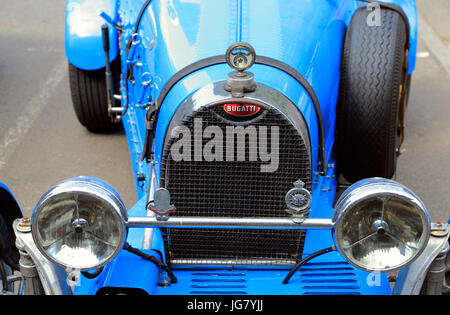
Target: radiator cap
<point>240,56</point>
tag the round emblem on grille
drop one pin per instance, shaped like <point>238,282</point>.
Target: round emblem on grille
<point>298,199</point>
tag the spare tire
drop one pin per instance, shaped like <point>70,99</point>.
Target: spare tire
<point>373,73</point>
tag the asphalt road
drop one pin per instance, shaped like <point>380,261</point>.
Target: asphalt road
<point>41,142</point>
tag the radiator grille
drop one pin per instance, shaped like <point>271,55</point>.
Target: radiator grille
<point>235,189</point>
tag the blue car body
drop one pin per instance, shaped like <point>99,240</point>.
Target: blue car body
<point>306,35</point>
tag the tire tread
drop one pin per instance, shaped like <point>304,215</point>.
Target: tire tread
<point>371,74</point>
<point>88,90</point>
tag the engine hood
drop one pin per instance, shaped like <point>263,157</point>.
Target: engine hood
<point>299,35</point>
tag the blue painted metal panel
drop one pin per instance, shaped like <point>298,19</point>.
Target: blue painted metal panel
<point>329,274</point>
<point>83,37</point>
<point>125,271</point>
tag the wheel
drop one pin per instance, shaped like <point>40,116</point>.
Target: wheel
<point>372,97</point>
<point>89,98</point>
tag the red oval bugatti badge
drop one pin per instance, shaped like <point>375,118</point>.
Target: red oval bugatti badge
<point>241,110</point>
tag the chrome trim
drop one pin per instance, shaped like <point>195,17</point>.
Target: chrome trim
<point>232,223</point>
<point>378,187</point>
<point>207,263</point>
<point>410,279</point>
<point>90,186</point>
<point>116,109</point>
<point>148,233</point>
<point>373,187</point>
<point>53,278</point>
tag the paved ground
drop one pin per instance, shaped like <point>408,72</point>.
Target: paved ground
<point>41,143</point>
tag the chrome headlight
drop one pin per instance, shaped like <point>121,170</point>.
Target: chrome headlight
<point>80,223</point>
<point>380,225</point>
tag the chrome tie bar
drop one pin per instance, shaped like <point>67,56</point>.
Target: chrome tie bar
<point>231,223</point>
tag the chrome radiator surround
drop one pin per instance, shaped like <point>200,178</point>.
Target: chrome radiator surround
<point>236,189</point>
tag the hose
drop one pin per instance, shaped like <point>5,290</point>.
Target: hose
<point>154,260</point>
<point>305,260</point>
<point>92,275</point>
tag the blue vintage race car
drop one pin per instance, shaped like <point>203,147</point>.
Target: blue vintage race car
<point>263,136</point>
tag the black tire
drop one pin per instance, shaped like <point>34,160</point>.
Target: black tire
<point>373,70</point>
<point>89,98</point>
<point>8,252</point>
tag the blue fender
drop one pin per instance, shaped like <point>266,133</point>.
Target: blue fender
<point>9,211</point>
<point>83,37</point>
<point>9,208</point>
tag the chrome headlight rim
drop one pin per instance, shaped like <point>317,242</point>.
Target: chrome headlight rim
<point>380,188</point>
<point>92,187</point>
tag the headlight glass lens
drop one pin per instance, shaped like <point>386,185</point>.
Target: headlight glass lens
<point>384,230</point>
<point>79,226</point>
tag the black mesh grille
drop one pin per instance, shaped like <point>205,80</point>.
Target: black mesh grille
<point>235,189</point>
